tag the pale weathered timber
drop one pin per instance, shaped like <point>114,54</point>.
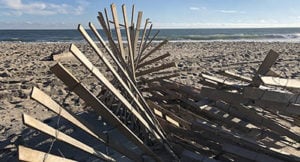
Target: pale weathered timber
<point>281,82</point>
<point>137,33</point>
<point>77,87</point>
<point>130,52</point>
<point>28,154</point>
<point>236,76</point>
<point>30,121</point>
<point>139,54</point>
<point>117,29</point>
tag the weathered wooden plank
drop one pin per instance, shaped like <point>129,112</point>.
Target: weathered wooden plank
<point>265,66</point>
<point>107,20</point>
<point>281,82</point>
<point>31,155</point>
<point>222,81</point>
<point>115,91</point>
<point>271,95</point>
<point>46,100</point>
<point>31,122</point>
<point>153,50</point>
<point>117,29</point>
<point>157,68</point>
<point>161,78</point>
<point>269,60</point>
<point>77,87</point>
<point>236,76</point>
<point>110,40</point>
<point>137,32</point>
<point>130,52</point>
<point>153,60</point>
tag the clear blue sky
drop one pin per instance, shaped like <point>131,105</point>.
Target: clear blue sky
<point>66,14</point>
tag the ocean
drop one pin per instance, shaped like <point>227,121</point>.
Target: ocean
<point>173,35</point>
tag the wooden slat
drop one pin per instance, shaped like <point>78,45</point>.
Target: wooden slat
<point>153,60</point>
<point>236,76</point>
<point>110,40</point>
<point>64,75</point>
<point>265,66</point>
<point>269,60</point>
<point>157,68</point>
<point>130,52</point>
<point>117,29</point>
<point>281,82</point>
<point>221,81</point>
<point>161,78</point>
<point>31,122</point>
<point>107,20</point>
<point>46,100</point>
<point>31,155</point>
<point>153,50</point>
<point>270,95</point>
<point>77,53</point>
<point>137,32</point>
<point>139,54</point>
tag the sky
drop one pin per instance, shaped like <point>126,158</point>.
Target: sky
<point>67,14</point>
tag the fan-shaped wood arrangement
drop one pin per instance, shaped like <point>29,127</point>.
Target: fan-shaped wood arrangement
<point>222,121</point>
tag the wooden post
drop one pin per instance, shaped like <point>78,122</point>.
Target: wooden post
<point>153,60</point>
<point>31,122</point>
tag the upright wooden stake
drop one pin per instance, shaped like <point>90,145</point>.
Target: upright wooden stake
<point>130,58</point>
<point>117,28</point>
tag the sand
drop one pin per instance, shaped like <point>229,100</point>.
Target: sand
<point>24,65</point>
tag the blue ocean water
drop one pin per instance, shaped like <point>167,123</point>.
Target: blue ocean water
<point>181,35</point>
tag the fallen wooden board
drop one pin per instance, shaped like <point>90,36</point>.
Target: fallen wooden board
<point>31,155</point>
<point>46,100</point>
<point>77,87</point>
<point>271,95</point>
<point>236,76</point>
<point>281,82</point>
<point>157,68</point>
<point>222,81</point>
<point>29,121</point>
<point>265,66</point>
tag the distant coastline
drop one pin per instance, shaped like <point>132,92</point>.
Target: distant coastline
<point>173,35</point>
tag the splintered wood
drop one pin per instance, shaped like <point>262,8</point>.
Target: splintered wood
<point>230,118</point>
